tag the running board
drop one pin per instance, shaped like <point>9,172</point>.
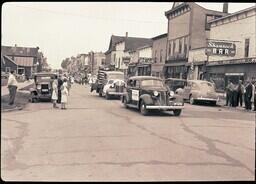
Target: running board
<point>132,106</point>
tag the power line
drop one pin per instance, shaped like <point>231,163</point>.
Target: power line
<point>88,17</point>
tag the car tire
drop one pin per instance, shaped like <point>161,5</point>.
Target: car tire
<point>177,112</point>
<point>213,103</point>
<point>100,93</point>
<point>143,109</point>
<point>191,100</point>
<point>125,103</point>
<point>107,96</point>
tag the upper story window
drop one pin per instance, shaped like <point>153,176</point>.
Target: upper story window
<point>173,47</point>
<point>161,55</point>
<point>180,45</point>
<point>185,45</point>
<point>170,47</point>
<point>246,47</point>
<point>155,59</point>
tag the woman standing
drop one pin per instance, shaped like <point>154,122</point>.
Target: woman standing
<point>64,94</point>
<point>55,92</point>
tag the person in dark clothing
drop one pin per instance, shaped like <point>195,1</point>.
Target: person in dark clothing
<point>235,95</point>
<point>248,96</point>
<point>60,82</point>
<point>229,93</point>
<point>240,93</point>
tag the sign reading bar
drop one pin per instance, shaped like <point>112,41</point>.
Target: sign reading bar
<point>220,48</point>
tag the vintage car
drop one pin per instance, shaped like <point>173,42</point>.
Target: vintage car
<point>175,83</point>
<point>114,85</point>
<point>199,91</point>
<point>150,93</point>
<point>42,89</point>
<point>109,83</point>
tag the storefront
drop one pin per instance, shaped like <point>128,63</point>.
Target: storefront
<point>220,72</point>
<point>144,69</point>
<point>175,70</point>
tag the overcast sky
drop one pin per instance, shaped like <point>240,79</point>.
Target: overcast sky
<point>63,29</point>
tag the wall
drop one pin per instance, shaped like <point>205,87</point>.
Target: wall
<point>158,45</point>
<point>145,52</point>
<point>119,55</point>
<point>237,30</point>
<point>197,55</point>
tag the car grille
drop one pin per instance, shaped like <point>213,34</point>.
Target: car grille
<point>119,88</point>
<point>44,89</point>
<point>161,99</point>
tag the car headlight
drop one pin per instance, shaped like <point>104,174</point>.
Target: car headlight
<point>171,93</point>
<point>155,93</point>
<point>112,85</point>
<point>38,87</point>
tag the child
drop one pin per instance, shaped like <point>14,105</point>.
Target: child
<point>64,94</point>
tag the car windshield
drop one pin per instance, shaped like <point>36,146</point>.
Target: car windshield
<point>152,82</point>
<point>207,86</point>
<point>116,76</point>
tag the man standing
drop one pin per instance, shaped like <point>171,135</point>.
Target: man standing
<point>60,82</point>
<point>12,85</point>
<point>253,95</point>
<point>240,93</point>
<point>229,93</point>
<point>248,95</point>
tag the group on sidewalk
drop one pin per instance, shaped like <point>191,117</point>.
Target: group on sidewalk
<point>239,94</point>
<point>61,87</point>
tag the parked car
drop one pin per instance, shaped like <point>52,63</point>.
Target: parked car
<point>42,89</point>
<point>199,91</point>
<point>147,93</point>
<point>175,83</point>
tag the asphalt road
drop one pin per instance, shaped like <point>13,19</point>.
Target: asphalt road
<point>99,140</point>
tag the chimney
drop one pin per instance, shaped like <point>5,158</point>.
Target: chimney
<point>225,7</point>
<point>126,34</point>
<point>15,45</point>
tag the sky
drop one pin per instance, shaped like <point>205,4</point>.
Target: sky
<point>65,29</point>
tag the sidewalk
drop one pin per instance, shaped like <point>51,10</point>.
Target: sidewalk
<point>5,90</point>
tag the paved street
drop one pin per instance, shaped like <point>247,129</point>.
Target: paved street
<point>99,140</point>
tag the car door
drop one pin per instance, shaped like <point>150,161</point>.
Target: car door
<point>187,90</point>
<point>135,93</point>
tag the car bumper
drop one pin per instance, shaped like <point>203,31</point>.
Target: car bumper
<point>115,93</point>
<point>164,107</point>
<point>206,99</point>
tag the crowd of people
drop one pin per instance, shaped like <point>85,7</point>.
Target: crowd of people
<point>240,94</point>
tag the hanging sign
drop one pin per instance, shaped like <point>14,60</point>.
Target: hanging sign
<point>220,48</point>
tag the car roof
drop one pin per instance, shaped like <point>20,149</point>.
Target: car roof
<point>44,74</point>
<point>113,72</point>
<point>144,77</point>
<point>199,81</point>
<point>176,79</point>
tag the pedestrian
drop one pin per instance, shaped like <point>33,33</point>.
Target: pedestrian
<point>229,93</point>
<point>64,94</point>
<point>248,95</point>
<point>235,94</point>
<point>253,95</point>
<point>240,93</point>
<point>55,92</point>
<point>12,85</point>
<point>60,82</point>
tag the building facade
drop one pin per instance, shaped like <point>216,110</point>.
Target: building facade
<point>23,60</point>
<point>238,29</point>
<point>159,54</point>
<point>187,30</point>
<point>144,65</point>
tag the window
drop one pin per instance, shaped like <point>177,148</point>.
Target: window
<point>246,47</point>
<point>185,45</point>
<point>180,45</point>
<point>155,59</point>
<point>8,69</point>
<point>119,63</point>
<point>173,47</point>
<point>161,53</point>
<point>170,47</point>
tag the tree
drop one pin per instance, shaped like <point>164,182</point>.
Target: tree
<point>65,63</point>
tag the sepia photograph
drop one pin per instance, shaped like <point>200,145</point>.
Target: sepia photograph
<point>128,91</point>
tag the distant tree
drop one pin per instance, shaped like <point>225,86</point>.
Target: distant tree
<point>65,63</point>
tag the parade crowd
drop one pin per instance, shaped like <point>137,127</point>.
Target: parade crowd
<point>241,94</point>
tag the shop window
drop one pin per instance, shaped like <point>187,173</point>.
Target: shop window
<point>246,47</point>
<point>8,69</point>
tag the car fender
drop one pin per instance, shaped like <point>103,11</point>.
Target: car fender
<point>147,99</point>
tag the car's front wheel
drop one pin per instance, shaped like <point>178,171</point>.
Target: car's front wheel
<point>107,96</point>
<point>125,103</point>
<point>143,109</point>
<point>177,112</point>
<point>191,100</point>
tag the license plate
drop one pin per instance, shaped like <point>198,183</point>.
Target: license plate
<point>44,89</point>
<point>179,104</point>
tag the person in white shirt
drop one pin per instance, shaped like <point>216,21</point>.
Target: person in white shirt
<point>64,94</point>
<point>12,85</point>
